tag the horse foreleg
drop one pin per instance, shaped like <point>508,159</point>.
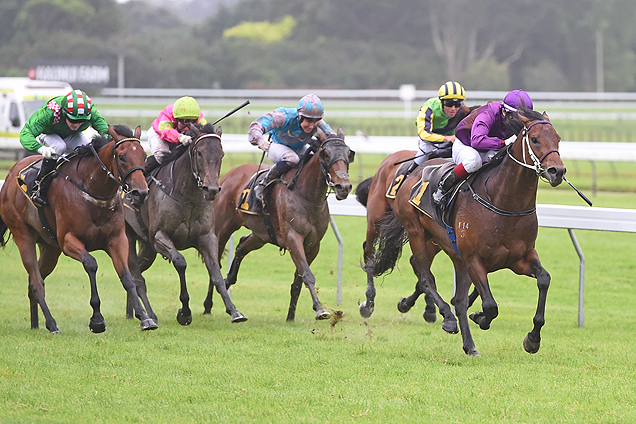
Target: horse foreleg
<point>302,261</point>
<point>26,246</point>
<point>208,248</point>
<point>405,304</point>
<point>421,263</point>
<point>245,245</point>
<point>489,307</point>
<point>117,249</point>
<point>138,263</point>
<point>460,300</point>
<point>164,246</point>
<point>294,294</point>
<point>532,341</point>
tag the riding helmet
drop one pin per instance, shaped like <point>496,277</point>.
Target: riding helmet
<point>77,106</point>
<point>516,99</point>
<point>186,108</point>
<point>452,90</point>
<point>310,107</point>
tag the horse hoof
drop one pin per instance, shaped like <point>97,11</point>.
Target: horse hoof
<point>322,314</point>
<point>479,318</point>
<point>207,311</point>
<point>473,353</point>
<point>97,327</point>
<point>148,324</point>
<point>56,331</point>
<point>530,346</point>
<point>184,319</point>
<point>238,317</point>
<point>403,306</point>
<point>430,316</point>
<point>366,311</point>
<point>450,327</point>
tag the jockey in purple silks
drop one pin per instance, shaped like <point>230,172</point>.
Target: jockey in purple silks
<point>480,135</point>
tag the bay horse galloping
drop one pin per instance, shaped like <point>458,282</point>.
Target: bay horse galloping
<point>494,222</point>
<point>85,213</point>
<point>178,215</point>
<point>296,218</point>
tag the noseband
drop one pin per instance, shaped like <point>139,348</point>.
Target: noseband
<point>324,168</point>
<point>193,163</point>
<point>526,144</point>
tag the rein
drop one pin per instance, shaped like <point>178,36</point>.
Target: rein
<point>536,167</point>
<point>121,181</point>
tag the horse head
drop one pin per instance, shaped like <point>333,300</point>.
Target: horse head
<point>539,143</point>
<point>206,153</point>
<point>335,157</point>
<point>129,157</point>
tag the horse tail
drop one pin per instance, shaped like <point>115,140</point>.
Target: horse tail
<point>4,237</point>
<point>388,246</point>
<point>362,191</point>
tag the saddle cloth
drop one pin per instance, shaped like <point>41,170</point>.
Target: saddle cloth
<point>421,196</point>
<point>248,203</point>
<point>398,179</point>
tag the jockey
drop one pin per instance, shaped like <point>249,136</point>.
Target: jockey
<point>55,127</point>
<point>480,135</point>
<point>169,127</point>
<point>289,130</point>
<point>435,125</point>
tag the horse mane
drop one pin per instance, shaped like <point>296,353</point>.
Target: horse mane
<point>100,141</point>
<point>516,125</point>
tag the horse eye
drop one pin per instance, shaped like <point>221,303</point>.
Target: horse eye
<point>534,140</point>
<point>121,157</point>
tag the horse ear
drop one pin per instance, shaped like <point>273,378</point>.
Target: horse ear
<point>545,116</point>
<point>137,133</point>
<point>341,133</point>
<point>112,132</point>
<point>321,135</point>
<point>352,156</point>
<point>218,131</point>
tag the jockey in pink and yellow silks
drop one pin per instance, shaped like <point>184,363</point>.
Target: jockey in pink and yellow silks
<point>169,127</point>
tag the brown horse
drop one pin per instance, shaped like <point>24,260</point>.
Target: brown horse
<point>85,213</point>
<point>296,219</point>
<point>495,224</point>
<point>178,215</point>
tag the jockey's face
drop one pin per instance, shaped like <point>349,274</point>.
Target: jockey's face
<point>308,124</point>
<point>73,125</point>
<point>184,124</point>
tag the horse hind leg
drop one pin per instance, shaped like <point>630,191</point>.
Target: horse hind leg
<point>460,300</point>
<point>294,294</point>
<point>367,306</point>
<point>406,303</point>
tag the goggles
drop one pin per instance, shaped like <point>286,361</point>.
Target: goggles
<point>452,102</point>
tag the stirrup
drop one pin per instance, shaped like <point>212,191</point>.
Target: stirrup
<point>438,196</point>
<point>38,199</point>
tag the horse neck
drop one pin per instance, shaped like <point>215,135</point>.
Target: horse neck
<point>311,183</point>
<point>511,185</point>
<point>181,173</point>
<point>95,178</point>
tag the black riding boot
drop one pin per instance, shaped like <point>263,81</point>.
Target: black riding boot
<point>444,186</point>
<point>42,182</point>
<point>151,164</point>
<point>276,171</point>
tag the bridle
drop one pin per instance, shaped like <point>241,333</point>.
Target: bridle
<point>526,145</point>
<point>194,168</point>
<point>123,176</point>
<point>324,168</point>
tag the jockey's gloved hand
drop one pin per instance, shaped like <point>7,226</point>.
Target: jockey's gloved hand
<point>185,139</point>
<point>46,151</point>
<point>264,144</point>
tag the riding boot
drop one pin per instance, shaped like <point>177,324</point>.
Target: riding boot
<point>42,182</point>
<point>276,171</point>
<point>444,186</point>
<point>151,164</point>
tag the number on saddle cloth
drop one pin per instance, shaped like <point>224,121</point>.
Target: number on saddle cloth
<point>248,203</point>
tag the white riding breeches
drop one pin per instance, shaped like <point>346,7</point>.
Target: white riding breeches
<point>159,147</point>
<point>470,157</point>
<point>61,145</point>
<point>280,152</point>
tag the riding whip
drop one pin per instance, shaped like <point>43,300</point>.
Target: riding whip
<point>583,196</point>
<point>408,159</point>
<point>245,103</point>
